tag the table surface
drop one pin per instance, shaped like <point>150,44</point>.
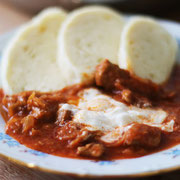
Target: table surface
<point>9,19</point>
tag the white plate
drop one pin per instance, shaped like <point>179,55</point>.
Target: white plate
<point>152,164</point>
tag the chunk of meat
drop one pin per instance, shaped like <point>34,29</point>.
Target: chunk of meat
<point>142,135</point>
<point>68,132</point>
<point>32,108</point>
<point>73,134</point>
<point>135,99</point>
<point>127,96</point>
<point>136,135</point>
<point>28,123</point>
<point>35,101</point>
<point>15,104</point>
<point>113,138</point>
<point>14,124</point>
<point>42,106</point>
<point>142,102</point>
<point>34,132</point>
<point>94,150</point>
<point>111,77</point>
<point>63,116</point>
<point>81,137</point>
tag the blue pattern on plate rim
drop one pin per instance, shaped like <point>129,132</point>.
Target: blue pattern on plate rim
<point>36,153</point>
<point>6,139</point>
<point>105,163</point>
<point>173,152</point>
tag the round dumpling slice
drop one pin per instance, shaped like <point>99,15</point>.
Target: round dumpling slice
<point>147,50</point>
<point>88,36</point>
<point>30,60</point>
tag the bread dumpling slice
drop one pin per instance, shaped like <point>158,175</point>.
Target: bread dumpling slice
<point>30,60</point>
<point>147,50</point>
<point>88,36</point>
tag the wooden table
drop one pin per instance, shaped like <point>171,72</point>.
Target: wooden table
<point>9,19</point>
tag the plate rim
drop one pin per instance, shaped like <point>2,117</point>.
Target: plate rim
<point>150,172</point>
<point>135,175</point>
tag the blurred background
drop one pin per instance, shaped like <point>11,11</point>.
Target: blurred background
<point>16,12</point>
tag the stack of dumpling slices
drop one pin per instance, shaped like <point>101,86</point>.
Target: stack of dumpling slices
<point>57,49</point>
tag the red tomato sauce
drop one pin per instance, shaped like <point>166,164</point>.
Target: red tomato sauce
<point>33,119</point>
